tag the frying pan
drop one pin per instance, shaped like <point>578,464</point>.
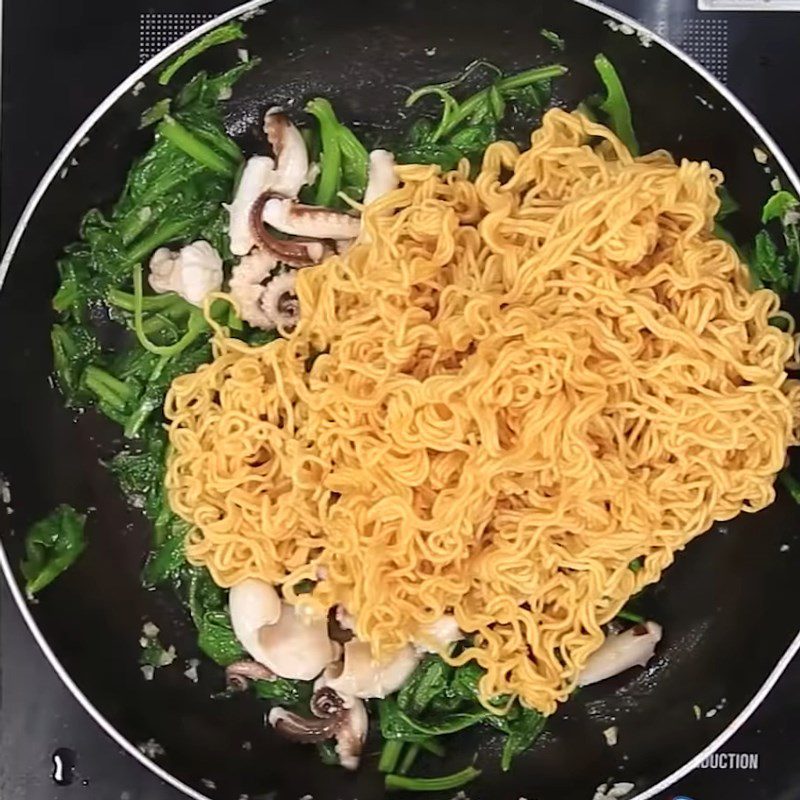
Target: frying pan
<point>727,604</point>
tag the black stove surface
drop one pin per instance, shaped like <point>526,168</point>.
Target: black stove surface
<point>59,61</point>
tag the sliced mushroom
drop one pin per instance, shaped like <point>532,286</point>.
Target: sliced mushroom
<point>292,169</point>
<point>294,252</point>
<point>362,676</point>
<point>439,635</point>
<point>281,637</point>
<point>316,222</point>
<point>255,180</point>
<point>634,647</point>
<point>382,175</point>
<point>238,674</point>
<point>335,715</point>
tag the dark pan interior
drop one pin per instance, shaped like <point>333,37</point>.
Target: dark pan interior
<point>727,603</point>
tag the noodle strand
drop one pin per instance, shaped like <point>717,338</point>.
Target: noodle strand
<point>504,393</point>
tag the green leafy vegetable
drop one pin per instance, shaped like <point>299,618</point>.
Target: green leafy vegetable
<point>466,128</point>
<point>553,38</point>
<point>212,619</point>
<point>445,155</point>
<point>193,145</point>
<point>727,205</point>
<point>767,264</point>
<point>778,206</point>
<point>439,700</point>
<point>221,35</point>
<point>440,784</point>
<point>429,679</point>
<point>465,682</point>
<point>777,267</point>
<point>344,158</point>
<point>167,561</point>
<point>174,192</point>
<point>355,163</point>
<point>155,113</point>
<point>216,639</point>
<point>522,727</point>
<point>331,153</point>
<point>141,474</point>
<point>73,348</point>
<point>791,484</point>
<point>409,758</point>
<point>390,753</point>
<point>209,89</point>
<point>479,105</point>
<point>615,105</point>
<point>630,616</point>
<point>51,546</point>
<point>284,691</point>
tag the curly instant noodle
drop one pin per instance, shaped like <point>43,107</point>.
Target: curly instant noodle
<point>504,393</point>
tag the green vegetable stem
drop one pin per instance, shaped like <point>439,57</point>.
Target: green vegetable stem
<point>344,158</point>
<point>466,128</point>
<point>441,784</point>
<point>615,105</point>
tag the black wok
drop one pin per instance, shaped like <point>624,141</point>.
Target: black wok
<point>728,603</point>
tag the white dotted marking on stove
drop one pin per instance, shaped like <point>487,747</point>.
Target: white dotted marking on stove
<point>705,40</point>
<point>158,30</point>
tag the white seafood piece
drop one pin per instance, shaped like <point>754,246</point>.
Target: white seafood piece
<point>192,272</point>
<point>292,169</point>
<point>382,176</point>
<point>309,221</point>
<point>255,179</point>
<point>290,643</point>
<point>621,651</point>
<point>362,676</point>
<point>340,717</point>
<point>248,286</point>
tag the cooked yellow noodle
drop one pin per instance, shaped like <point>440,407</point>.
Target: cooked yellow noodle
<point>510,389</point>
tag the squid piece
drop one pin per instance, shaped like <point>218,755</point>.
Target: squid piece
<point>314,222</point>
<point>361,676</point>
<point>192,272</point>
<point>621,651</point>
<point>292,169</point>
<point>335,716</point>
<point>279,636</point>
<point>255,179</point>
<point>292,252</point>
<point>265,300</point>
<point>382,177</point>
